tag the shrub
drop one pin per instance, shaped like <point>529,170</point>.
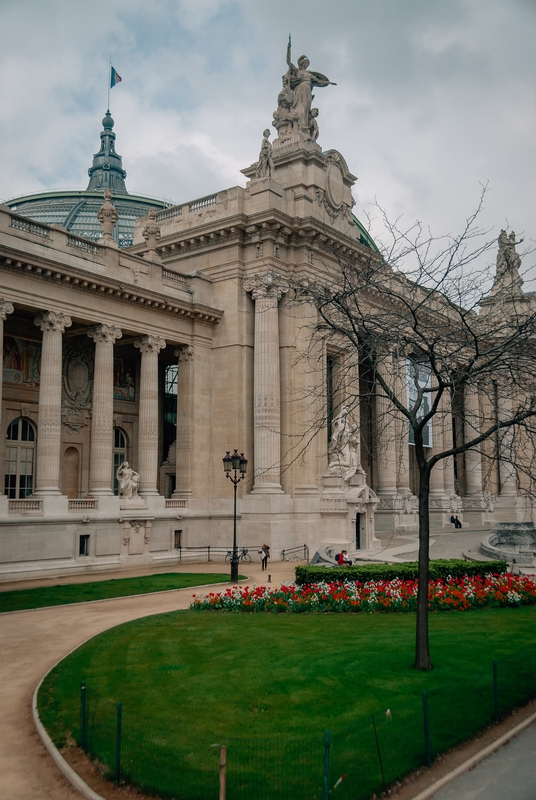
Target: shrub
<point>408,570</point>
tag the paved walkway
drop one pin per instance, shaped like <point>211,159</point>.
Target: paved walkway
<point>508,773</point>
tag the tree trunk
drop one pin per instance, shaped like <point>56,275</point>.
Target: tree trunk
<point>422,647</point>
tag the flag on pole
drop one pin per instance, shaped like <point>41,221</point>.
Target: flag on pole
<point>115,78</point>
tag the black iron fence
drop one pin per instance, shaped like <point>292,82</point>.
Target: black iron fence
<point>345,762</point>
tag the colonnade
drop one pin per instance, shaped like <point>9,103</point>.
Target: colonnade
<point>49,440</point>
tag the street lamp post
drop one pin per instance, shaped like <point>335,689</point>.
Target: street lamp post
<point>239,464</point>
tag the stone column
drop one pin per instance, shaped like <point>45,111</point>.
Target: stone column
<point>101,453</point>
<point>402,437</point>
<point>473,459</point>
<point>437,486</point>
<point>266,291</point>
<point>53,324</point>
<point>448,463</point>
<point>149,347</point>
<point>5,309</point>
<point>386,435</point>
<point>185,422</point>
<point>507,472</point>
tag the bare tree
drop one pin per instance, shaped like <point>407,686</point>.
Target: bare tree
<point>448,327</point>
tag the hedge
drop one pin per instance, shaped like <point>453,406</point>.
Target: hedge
<point>408,570</point>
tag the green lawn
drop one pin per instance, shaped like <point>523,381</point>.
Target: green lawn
<point>101,590</point>
<point>268,685</point>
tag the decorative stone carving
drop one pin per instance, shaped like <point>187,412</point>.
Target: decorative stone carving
<point>53,321</point>
<point>5,308</point>
<point>150,344</point>
<point>77,385</point>
<point>184,353</point>
<point>344,447</point>
<point>265,166</point>
<point>270,286</point>
<point>105,333</point>
<point>108,216</point>
<point>313,125</point>
<point>151,234</point>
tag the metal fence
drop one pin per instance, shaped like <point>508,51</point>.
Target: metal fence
<point>355,762</point>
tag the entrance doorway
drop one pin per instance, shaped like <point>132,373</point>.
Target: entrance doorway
<point>358,531</point>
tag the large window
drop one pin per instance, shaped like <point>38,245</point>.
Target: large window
<point>171,381</point>
<point>120,455</point>
<point>20,459</point>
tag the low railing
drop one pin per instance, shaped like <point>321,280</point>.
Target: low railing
<point>24,506</point>
<point>83,505</point>
<point>83,244</point>
<point>28,225</point>
<point>169,213</point>
<point>170,275</point>
<point>175,503</point>
<point>299,553</point>
<point>209,553</point>
<point>203,202</point>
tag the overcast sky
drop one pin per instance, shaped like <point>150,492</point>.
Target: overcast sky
<point>433,97</point>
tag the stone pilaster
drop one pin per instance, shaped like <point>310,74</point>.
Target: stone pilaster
<point>53,325</point>
<point>149,347</point>
<point>474,505</point>
<point>266,291</point>
<point>185,422</point>
<point>100,470</point>
<point>509,506</point>
<point>386,435</point>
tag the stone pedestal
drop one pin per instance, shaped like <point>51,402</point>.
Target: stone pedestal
<point>135,536</point>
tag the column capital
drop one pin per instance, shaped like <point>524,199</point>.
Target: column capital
<point>269,285</point>
<point>53,321</point>
<point>184,353</point>
<point>5,308</point>
<point>105,333</point>
<point>150,344</point>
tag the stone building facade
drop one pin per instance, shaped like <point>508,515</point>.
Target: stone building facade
<point>185,345</point>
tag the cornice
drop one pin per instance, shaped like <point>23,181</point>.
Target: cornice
<point>79,280</point>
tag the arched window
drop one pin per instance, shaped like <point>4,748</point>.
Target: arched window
<point>20,458</point>
<point>120,454</point>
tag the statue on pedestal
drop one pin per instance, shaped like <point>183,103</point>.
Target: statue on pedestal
<point>294,101</point>
<point>265,166</point>
<point>128,480</point>
<point>344,447</point>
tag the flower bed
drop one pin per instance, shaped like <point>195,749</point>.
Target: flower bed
<point>451,594</point>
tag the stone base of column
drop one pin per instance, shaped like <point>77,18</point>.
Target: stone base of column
<point>512,508</point>
<point>476,511</point>
<point>265,519</point>
<point>268,488</point>
<point>397,513</point>
<point>441,510</point>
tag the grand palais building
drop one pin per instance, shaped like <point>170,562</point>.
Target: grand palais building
<point>164,336</point>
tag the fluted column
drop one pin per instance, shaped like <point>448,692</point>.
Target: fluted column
<point>507,472</point>
<point>266,291</point>
<point>5,309</point>
<point>386,435</point>
<point>402,437</point>
<point>149,347</point>
<point>185,422</point>
<point>101,452</point>
<point>473,459</point>
<point>448,463</point>
<point>52,324</point>
<point>437,485</point>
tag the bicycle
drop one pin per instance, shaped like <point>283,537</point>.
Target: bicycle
<point>243,556</point>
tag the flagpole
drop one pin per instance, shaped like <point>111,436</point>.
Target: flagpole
<point>109,80</point>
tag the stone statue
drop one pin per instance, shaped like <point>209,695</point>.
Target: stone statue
<point>284,115</point>
<point>313,125</point>
<point>265,166</point>
<point>128,480</point>
<point>301,80</point>
<point>507,275</point>
<point>344,447</point>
